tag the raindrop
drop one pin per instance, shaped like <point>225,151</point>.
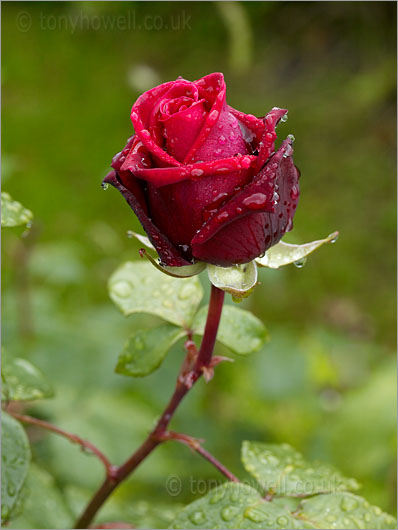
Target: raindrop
<point>255,201</point>
<point>334,237</point>
<point>282,521</point>
<point>291,137</point>
<point>348,504</point>
<point>104,185</point>
<point>222,140</point>
<point>254,515</point>
<point>122,288</point>
<point>275,197</point>
<point>197,517</point>
<point>284,118</point>
<point>294,193</point>
<point>300,262</point>
<point>197,172</point>
<point>229,512</point>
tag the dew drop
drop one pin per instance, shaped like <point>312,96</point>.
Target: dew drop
<point>222,140</point>
<point>255,515</point>
<point>197,517</point>
<point>213,115</point>
<point>228,513</point>
<point>282,521</point>
<point>294,193</point>
<point>197,172</point>
<point>348,504</point>
<point>300,263</point>
<point>275,197</point>
<point>284,118</point>
<point>104,185</point>
<point>122,288</point>
<point>334,237</point>
<point>255,201</point>
<point>291,137</point>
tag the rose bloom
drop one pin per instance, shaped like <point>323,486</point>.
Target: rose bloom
<point>203,178</point>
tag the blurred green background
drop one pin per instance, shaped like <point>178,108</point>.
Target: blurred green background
<point>326,381</point>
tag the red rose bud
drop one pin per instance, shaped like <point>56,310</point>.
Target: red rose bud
<point>203,178</point>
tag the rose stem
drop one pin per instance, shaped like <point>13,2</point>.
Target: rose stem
<point>191,371</point>
<point>72,437</point>
<point>195,445</point>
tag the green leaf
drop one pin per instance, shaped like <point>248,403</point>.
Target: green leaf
<point>233,505</point>
<point>239,329</point>
<point>343,510</point>
<point>21,381</point>
<point>238,280</point>
<point>137,287</point>
<point>13,213</point>
<point>146,349</point>
<point>44,506</point>
<point>285,253</point>
<point>282,470</point>
<point>15,458</point>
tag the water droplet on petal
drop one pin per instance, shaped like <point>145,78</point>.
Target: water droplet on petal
<point>255,201</point>
<point>104,185</point>
<point>197,172</point>
<point>291,137</point>
<point>294,193</point>
<point>222,140</point>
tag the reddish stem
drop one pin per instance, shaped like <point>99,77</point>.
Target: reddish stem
<point>72,437</point>
<point>190,372</point>
<point>195,445</point>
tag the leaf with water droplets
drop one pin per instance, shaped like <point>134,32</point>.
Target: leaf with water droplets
<point>233,505</point>
<point>15,458</point>
<point>44,504</point>
<point>343,510</point>
<point>21,380</point>
<point>137,287</point>
<point>239,329</point>
<point>238,280</point>
<point>13,213</point>
<point>146,349</point>
<point>286,253</point>
<point>280,469</point>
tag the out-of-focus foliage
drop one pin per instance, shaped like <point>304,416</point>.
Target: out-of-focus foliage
<point>325,383</point>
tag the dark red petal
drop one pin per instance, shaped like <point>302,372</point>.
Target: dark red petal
<point>253,124</point>
<point>238,232</point>
<point>140,116</point>
<point>267,143</point>
<point>239,242</point>
<point>212,88</point>
<point>168,254</point>
<point>170,175</point>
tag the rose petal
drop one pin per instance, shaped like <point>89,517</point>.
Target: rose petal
<point>159,177</point>
<point>267,144</point>
<point>136,156</point>
<point>236,233</point>
<point>253,124</point>
<point>140,116</point>
<point>182,129</point>
<point>212,88</point>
